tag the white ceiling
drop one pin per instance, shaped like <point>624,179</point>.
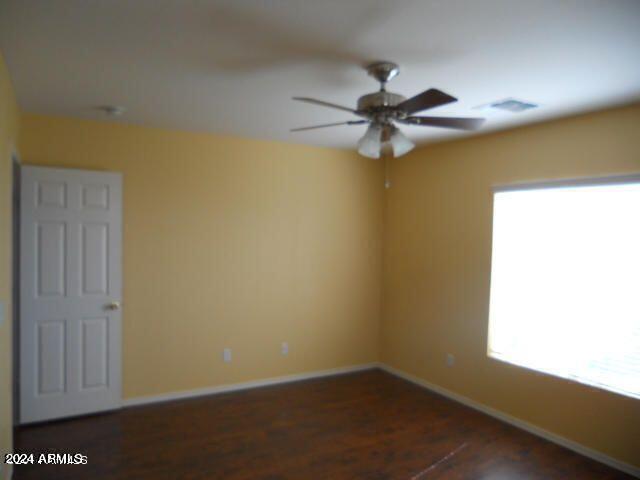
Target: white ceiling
<point>232,66</point>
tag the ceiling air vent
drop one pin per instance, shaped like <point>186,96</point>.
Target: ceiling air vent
<point>512,105</point>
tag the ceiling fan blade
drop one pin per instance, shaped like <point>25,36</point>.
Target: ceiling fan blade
<point>428,99</point>
<point>351,122</point>
<point>459,123</point>
<point>324,104</point>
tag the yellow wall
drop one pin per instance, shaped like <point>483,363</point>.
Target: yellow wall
<point>232,243</point>
<point>9,119</point>
<point>437,265</point>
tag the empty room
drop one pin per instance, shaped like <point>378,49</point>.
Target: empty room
<point>319,239</point>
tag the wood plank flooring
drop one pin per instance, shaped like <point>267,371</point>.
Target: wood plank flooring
<point>368,425</point>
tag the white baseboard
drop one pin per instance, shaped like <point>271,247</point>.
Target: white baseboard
<point>516,422</point>
<point>233,387</point>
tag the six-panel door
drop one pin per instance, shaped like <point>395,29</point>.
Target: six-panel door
<point>70,291</point>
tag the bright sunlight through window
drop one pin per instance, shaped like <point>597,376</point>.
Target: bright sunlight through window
<point>565,282</point>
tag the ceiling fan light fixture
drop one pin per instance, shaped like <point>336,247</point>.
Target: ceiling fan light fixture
<point>370,144</point>
<point>400,143</point>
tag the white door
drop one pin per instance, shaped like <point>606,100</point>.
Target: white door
<point>70,289</point>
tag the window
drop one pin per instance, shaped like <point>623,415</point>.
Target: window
<point>565,281</point>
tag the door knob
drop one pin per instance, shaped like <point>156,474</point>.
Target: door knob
<point>113,306</point>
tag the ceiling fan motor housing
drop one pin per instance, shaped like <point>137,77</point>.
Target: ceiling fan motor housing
<point>380,102</point>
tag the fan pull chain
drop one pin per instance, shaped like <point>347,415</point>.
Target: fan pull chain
<point>387,180</point>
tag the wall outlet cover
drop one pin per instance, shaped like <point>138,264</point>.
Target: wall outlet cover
<point>451,360</point>
<point>285,348</point>
<point>226,355</point>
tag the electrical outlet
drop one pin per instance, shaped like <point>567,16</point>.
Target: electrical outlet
<point>226,355</point>
<point>451,360</point>
<point>284,348</point>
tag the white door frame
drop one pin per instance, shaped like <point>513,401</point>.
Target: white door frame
<point>15,278</point>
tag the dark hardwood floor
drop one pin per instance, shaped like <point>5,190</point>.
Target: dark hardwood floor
<point>368,425</point>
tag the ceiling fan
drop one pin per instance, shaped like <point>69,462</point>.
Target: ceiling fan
<point>382,109</point>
